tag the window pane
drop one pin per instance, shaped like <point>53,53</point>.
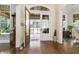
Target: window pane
<point>41,8</point>
<point>39,30</point>
<point>34,16</point>
<point>35,30</point>
<point>4,18</point>
<point>45,17</point>
<point>45,23</point>
<point>32,30</point>
<point>45,26</point>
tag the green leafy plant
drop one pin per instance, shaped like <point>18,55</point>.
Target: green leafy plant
<point>7,28</point>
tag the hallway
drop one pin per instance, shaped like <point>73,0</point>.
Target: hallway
<point>49,47</point>
<point>42,27</point>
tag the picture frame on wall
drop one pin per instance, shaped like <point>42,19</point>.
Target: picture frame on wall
<point>75,17</point>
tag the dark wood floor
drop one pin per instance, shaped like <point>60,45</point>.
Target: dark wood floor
<point>48,47</point>
<point>6,49</point>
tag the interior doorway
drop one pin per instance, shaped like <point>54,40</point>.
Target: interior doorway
<point>38,26</point>
<point>70,25</point>
<point>35,31</point>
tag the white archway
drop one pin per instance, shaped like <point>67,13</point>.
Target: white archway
<point>47,12</point>
<point>68,11</point>
<point>34,5</point>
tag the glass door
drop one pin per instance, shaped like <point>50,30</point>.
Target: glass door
<point>35,33</point>
<point>34,30</point>
<point>45,28</point>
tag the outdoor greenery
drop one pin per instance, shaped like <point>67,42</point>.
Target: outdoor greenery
<point>4,26</point>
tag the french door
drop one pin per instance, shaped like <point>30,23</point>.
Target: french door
<point>35,30</point>
<point>39,26</point>
<point>35,33</point>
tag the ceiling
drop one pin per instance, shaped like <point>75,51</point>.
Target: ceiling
<point>71,8</point>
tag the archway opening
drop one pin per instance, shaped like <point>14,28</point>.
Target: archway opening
<point>70,23</point>
<point>39,25</point>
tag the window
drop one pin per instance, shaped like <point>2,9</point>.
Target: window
<point>45,17</point>
<point>45,26</point>
<point>41,8</point>
<point>35,26</point>
<point>75,17</point>
<point>34,16</point>
<point>4,18</point>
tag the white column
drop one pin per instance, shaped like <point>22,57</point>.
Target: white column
<point>18,27</point>
<point>60,35</point>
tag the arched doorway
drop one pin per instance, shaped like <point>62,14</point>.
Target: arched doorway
<point>39,25</point>
<point>69,22</point>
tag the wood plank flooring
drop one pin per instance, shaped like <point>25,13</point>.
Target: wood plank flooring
<point>49,47</point>
<point>46,47</point>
